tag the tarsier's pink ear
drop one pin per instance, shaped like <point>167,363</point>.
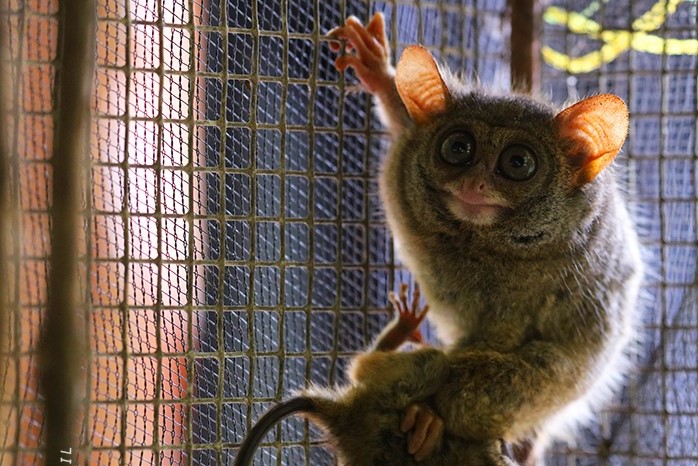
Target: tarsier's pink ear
<point>420,85</point>
<point>596,128</point>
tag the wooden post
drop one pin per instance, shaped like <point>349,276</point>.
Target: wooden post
<point>525,45</point>
<point>63,332</point>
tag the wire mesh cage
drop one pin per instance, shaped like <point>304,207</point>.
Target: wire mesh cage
<point>233,247</point>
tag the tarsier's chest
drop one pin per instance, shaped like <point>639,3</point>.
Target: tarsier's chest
<point>500,305</point>
<point>474,319</point>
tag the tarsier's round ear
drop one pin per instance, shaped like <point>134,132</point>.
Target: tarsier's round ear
<point>420,85</point>
<point>596,127</point>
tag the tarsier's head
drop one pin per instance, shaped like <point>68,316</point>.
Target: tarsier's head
<point>509,167</point>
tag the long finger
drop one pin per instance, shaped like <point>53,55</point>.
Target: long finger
<point>351,33</point>
<point>423,314</point>
<point>394,301</point>
<point>394,308</point>
<point>369,42</point>
<point>432,440</point>
<point>415,298</point>
<point>336,36</point>
<point>333,35</point>
<point>403,294</point>
<point>376,27</point>
<point>410,418</point>
<point>424,420</point>
<point>337,31</point>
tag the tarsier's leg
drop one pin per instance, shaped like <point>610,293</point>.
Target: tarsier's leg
<point>423,426</point>
<point>369,56</point>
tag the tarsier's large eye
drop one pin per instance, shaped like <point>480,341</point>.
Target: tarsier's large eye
<point>517,163</point>
<point>458,148</point>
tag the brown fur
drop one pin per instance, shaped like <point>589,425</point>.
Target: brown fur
<point>536,306</point>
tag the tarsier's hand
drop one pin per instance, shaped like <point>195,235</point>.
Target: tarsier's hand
<point>409,315</point>
<point>424,428</point>
<point>368,53</point>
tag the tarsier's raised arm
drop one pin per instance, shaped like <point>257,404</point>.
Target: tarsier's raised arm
<point>369,55</point>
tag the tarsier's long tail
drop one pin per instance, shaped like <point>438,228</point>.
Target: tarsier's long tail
<point>300,404</point>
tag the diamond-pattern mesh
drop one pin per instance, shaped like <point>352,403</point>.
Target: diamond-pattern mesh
<point>236,249</point>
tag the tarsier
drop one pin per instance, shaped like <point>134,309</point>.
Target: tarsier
<point>507,216</point>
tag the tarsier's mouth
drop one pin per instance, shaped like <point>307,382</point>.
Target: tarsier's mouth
<point>473,198</point>
<point>475,209</point>
<point>482,210</point>
<point>482,215</point>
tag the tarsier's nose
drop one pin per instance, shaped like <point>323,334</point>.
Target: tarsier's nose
<point>474,193</point>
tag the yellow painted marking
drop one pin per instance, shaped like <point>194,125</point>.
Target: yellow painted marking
<point>615,42</point>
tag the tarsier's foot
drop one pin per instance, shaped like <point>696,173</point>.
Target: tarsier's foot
<point>425,430</point>
<point>368,52</point>
<point>410,315</point>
